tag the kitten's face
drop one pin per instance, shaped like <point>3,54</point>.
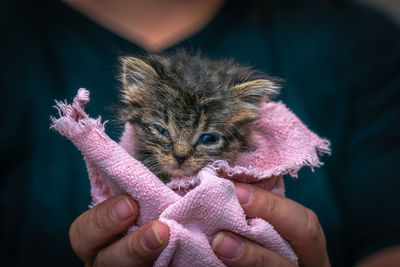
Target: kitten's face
<point>187,111</point>
<point>182,140</point>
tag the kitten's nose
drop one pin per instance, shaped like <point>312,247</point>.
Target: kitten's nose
<point>180,158</point>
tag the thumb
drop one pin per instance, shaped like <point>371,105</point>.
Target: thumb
<point>140,248</point>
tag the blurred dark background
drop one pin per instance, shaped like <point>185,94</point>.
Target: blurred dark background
<point>340,62</point>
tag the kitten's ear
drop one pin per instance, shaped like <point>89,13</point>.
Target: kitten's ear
<point>255,92</point>
<point>135,72</point>
<point>249,96</point>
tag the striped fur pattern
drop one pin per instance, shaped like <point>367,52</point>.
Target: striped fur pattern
<point>188,111</point>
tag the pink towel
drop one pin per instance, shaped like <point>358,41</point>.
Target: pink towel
<point>195,208</point>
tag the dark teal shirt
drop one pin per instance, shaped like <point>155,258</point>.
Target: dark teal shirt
<point>341,66</point>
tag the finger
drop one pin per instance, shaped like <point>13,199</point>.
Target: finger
<point>234,250</point>
<point>139,248</point>
<point>296,223</point>
<point>100,225</point>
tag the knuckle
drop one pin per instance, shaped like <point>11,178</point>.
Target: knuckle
<point>254,255</point>
<point>131,247</point>
<point>271,205</point>
<point>75,238</point>
<point>100,260</point>
<point>313,231</point>
<point>135,252</point>
<point>99,221</point>
<point>266,260</point>
<point>261,260</point>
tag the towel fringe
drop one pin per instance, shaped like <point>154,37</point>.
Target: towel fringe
<point>311,160</point>
<point>72,119</point>
<point>183,185</point>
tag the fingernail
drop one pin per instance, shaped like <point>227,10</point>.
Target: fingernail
<point>151,238</point>
<point>122,210</point>
<point>243,194</point>
<point>227,246</point>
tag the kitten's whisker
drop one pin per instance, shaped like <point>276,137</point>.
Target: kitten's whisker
<point>231,134</point>
<point>237,129</point>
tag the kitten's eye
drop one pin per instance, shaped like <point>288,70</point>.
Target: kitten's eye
<point>208,139</point>
<point>162,131</point>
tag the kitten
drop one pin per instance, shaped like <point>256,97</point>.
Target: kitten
<point>188,111</point>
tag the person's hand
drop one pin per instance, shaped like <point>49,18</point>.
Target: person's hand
<point>294,222</point>
<point>94,235</point>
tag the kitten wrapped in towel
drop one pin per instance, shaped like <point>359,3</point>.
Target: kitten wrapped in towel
<point>200,125</point>
<point>188,111</point>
